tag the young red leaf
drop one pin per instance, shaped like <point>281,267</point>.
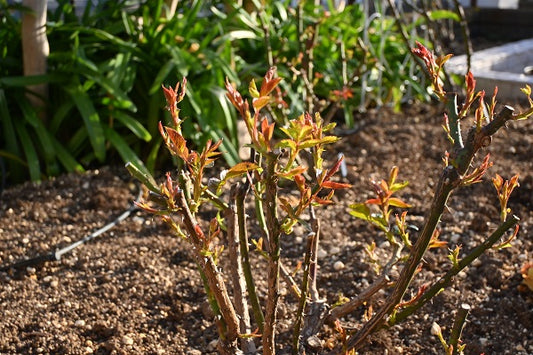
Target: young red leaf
<point>335,185</point>
<point>260,102</point>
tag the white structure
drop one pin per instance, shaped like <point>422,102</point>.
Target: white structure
<point>499,4</point>
<point>501,66</point>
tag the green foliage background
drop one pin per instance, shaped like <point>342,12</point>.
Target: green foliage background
<point>106,68</point>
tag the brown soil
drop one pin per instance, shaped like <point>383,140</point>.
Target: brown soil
<point>136,290</point>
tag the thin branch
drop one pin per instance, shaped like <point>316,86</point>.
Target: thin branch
<point>274,249</point>
<point>244,243</point>
<point>303,296</point>
<point>447,279</point>
<point>450,179</point>
<point>237,259</point>
<point>457,328</point>
<point>214,276</point>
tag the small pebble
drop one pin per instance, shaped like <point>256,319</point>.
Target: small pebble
<point>88,350</point>
<point>25,240</point>
<point>212,346</point>
<point>519,347</point>
<point>483,341</point>
<point>322,253</point>
<point>54,283</point>
<point>384,245</point>
<point>435,329</point>
<point>138,220</point>
<point>455,238</point>
<point>80,323</point>
<point>335,250</point>
<point>338,265</point>
<point>126,340</point>
<point>47,279</point>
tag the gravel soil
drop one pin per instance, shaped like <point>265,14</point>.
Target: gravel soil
<point>136,290</point>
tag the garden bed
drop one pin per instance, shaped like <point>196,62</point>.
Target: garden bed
<point>136,289</point>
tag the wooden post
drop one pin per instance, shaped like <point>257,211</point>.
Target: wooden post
<point>35,50</point>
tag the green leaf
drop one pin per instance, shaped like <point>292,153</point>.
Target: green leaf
<point>133,125</point>
<point>61,114</point>
<point>66,159</point>
<point>444,15</point>
<point>398,186</point>
<point>161,76</point>
<point>229,152</point>
<point>227,114</point>
<point>29,150</point>
<point>123,149</point>
<point>145,178</point>
<point>134,165</point>
<point>122,100</point>
<point>20,81</point>
<point>236,35</point>
<point>396,202</point>
<point>7,125</point>
<point>286,143</point>
<point>360,210</point>
<point>91,120</point>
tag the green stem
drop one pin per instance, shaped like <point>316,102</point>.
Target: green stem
<point>214,277</point>
<point>457,328</point>
<point>303,297</point>
<point>274,248</point>
<point>444,188</point>
<point>244,242</point>
<point>447,279</point>
<point>235,249</point>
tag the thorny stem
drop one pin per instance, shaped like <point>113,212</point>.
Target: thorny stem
<point>303,296</point>
<point>447,279</point>
<point>238,259</point>
<point>221,326</point>
<point>313,264</point>
<point>457,328</point>
<point>449,180</point>
<point>214,276</point>
<point>244,242</point>
<point>308,288</point>
<point>443,191</point>
<point>454,122</point>
<point>274,248</point>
